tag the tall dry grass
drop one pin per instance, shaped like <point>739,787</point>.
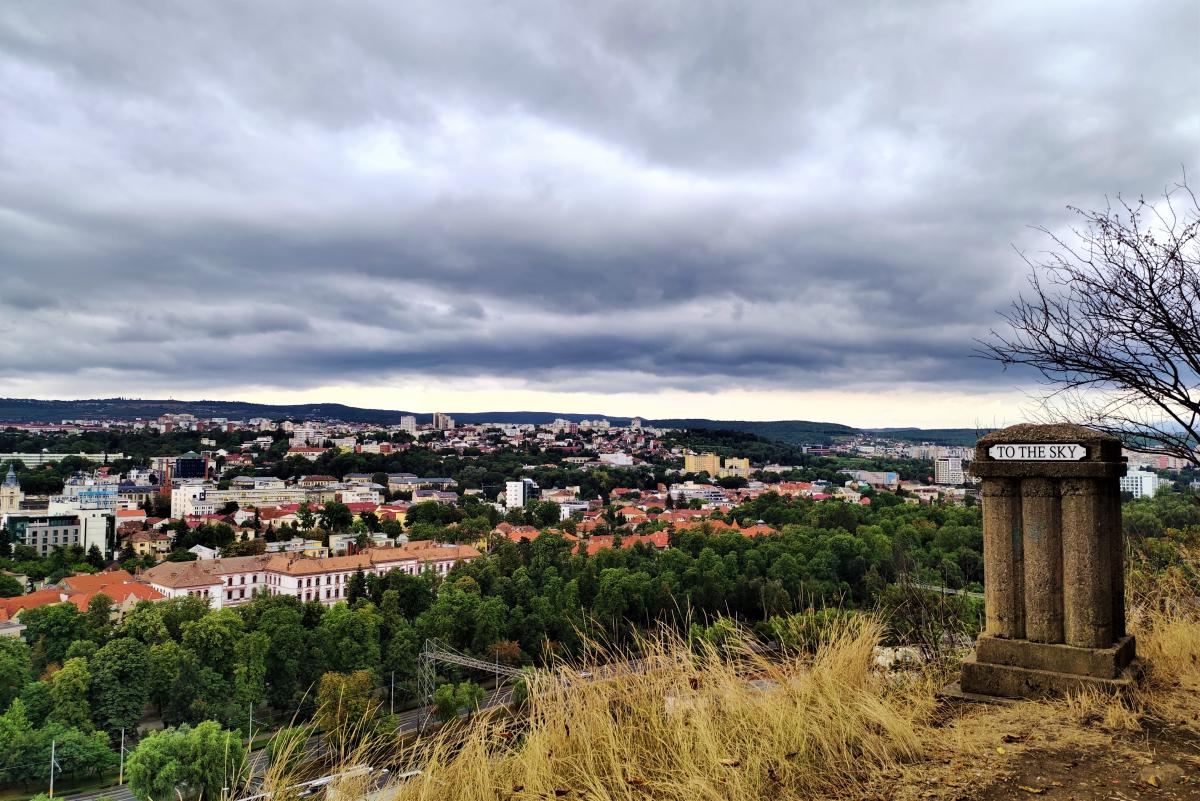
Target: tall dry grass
<point>697,725</point>
<point>729,723</point>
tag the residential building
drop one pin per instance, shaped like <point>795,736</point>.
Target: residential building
<point>46,532</point>
<point>42,459</point>
<point>190,465</point>
<point>408,425</point>
<point>443,422</point>
<point>704,492</point>
<point>735,467</point>
<point>948,470</point>
<point>519,493</point>
<point>876,478</point>
<point>1140,483</point>
<point>702,463</point>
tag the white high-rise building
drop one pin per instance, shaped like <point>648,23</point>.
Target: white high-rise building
<point>408,425</point>
<point>1141,483</point>
<point>519,493</point>
<point>949,471</point>
<point>442,421</point>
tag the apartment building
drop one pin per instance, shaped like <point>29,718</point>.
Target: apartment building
<point>519,493</point>
<point>948,470</point>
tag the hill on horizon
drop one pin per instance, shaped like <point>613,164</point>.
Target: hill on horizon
<point>796,432</point>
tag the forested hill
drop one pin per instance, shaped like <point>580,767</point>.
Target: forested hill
<point>29,410</point>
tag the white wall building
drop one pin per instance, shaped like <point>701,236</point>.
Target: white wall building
<point>519,493</point>
<point>1141,483</point>
<point>232,582</point>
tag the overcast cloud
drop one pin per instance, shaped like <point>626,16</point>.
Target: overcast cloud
<point>252,199</point>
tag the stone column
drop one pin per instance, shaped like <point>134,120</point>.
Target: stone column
<point>1003,581</point>
<point>1116,560</point>
<point>1041,518</point>
<point>1087,564</point>
<point>1053,565</point>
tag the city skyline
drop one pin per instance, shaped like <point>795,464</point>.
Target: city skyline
<point>677,211</point>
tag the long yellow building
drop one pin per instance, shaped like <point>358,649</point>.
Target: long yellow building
<point>711,463</point>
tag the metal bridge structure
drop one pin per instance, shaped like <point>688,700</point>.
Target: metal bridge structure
<point>435,651</point>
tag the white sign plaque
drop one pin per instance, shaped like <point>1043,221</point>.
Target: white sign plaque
<point>1066,452</point>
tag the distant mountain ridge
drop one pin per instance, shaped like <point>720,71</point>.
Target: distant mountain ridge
<point>32,410</point>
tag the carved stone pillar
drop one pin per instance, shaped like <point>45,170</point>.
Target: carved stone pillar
<point>1053,565</point>
<point>1087,564</point>
<point>1004,580</point>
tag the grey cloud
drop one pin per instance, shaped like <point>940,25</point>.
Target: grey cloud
<point>688,194</point>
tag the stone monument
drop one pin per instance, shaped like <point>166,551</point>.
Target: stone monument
<point>1053,560</point>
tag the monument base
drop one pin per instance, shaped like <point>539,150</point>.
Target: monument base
<point>1024,669</point>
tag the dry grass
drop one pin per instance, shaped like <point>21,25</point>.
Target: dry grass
<point>708,726</point>
<point>695,726</point>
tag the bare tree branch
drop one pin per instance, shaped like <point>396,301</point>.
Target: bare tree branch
<point>1111,322</point>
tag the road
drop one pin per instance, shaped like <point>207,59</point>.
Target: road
<point>948,590</point>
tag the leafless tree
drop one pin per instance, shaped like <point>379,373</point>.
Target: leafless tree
<point>1111,321</point>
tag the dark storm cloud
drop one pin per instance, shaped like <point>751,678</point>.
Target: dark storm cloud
<point>602,197</point>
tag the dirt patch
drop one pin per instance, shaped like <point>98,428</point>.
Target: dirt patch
<point>1088,750</point>
<point>1152,767</point>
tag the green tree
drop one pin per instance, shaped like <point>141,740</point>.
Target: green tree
<point>36,700</point>
<point>15,669</point>
<point>250,673</point>
<point>188,763</point>
<point>163,661</point>
<point>120,684</point>
<point>214,639</point>
<point>145,623</point>
<point>69,692</point>
<point>10,587</point>
<point>176,612</point>
<point>19,761</point>
<point>350,636</point>
<point>346,705</point>
<point>78,753</point>
<point>51,628</point>
<point>99,617</point>
<point>306,517</point>
<point>356,586</point>
<point>450,700</point>
<point>336,517</point>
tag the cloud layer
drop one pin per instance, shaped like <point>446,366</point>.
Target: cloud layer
<point>596,198</point>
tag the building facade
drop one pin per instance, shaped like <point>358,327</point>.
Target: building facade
<point>1140,483</point>
<point>948,470</point>
<point>230,582</point>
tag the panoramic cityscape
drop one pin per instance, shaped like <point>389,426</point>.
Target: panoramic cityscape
<point>626,401</point>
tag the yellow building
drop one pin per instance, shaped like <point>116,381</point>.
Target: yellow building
<point>702,463</point>
<point>736,467</point>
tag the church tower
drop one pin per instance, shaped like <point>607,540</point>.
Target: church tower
<point>10,493</point>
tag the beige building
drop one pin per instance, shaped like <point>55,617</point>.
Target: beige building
<point>702,463</point>
<point>711,463</point>
<point>10,494</point>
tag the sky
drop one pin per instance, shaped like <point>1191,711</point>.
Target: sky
<point>694,208</point>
